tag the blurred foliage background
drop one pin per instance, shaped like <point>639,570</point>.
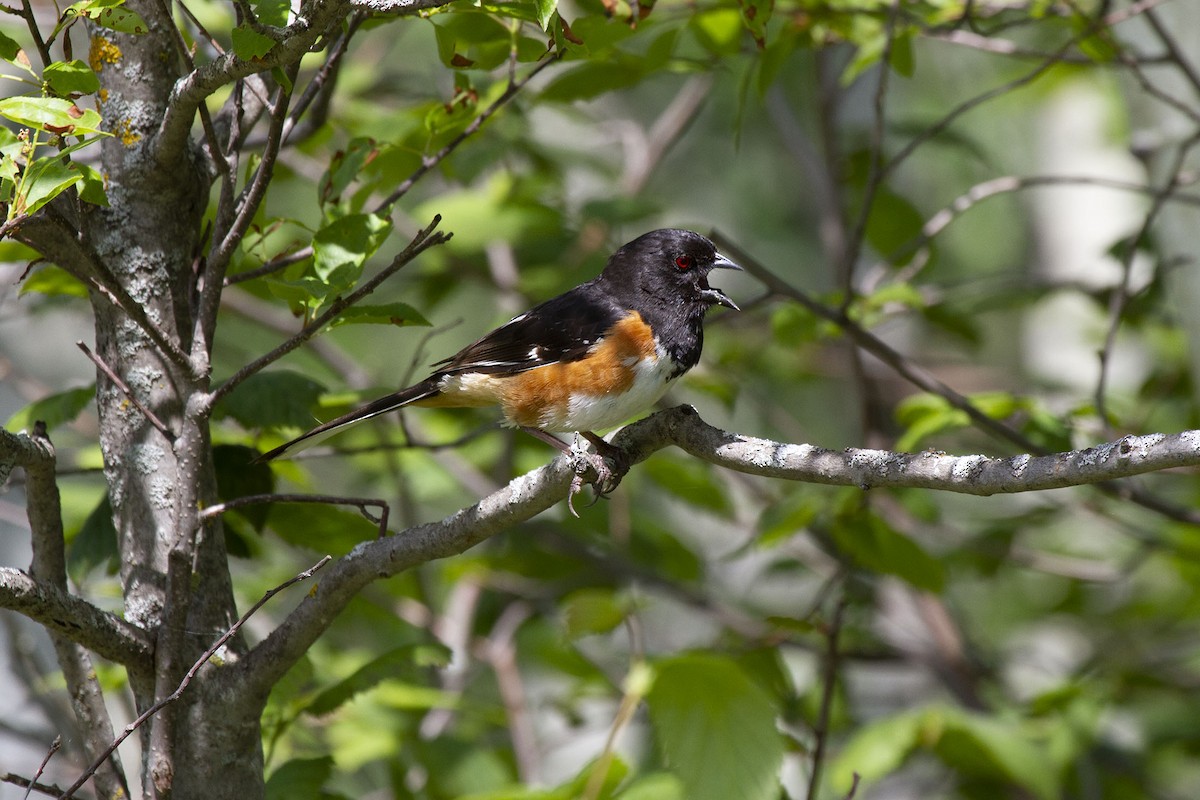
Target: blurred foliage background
<point>1000,192</point>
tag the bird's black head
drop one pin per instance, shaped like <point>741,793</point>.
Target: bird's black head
<point>671,266</point>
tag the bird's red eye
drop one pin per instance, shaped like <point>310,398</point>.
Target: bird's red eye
<point>685,262</point>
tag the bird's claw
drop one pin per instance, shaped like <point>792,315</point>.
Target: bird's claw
<point>609,471</point>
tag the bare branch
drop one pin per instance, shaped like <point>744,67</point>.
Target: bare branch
<point>187,678</point>
<point>973,474</point>
<point>226,241</point>
<point>103,633</point>
<point>829,679</point>
<point>432,161</point>
<point>1121,297</point>
<point>30,784</point>
<point>54,748</point>
<point>150,416</point>
<point>293,42</point>
<point>192,89</point>
<point>536,491</point>
<point>44,511</point>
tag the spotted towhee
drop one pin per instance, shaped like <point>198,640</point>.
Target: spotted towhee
<point>584,361</point>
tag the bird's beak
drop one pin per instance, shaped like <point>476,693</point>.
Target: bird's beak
<point>716,296</point>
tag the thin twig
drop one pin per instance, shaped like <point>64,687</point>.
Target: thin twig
<point>361,503</point>
<point>1120,298</point>
<point>41,788</point>
<point>320,85</point>
<point>187,679</point>
<point>54,747</point>
<point>926,381</point>
<point>829,676</point>
<point>35,33</point>
<point>274,265</point>
<point>150,416</point>
<point>1176,53</point>
<point>420,243</point>
<point>102,279</point>
<point>875,177</point>
<point>1006,184</point>
<point>247,206</point>
<point>429,162</point>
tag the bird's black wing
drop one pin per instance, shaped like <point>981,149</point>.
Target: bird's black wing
<point>561,329</point>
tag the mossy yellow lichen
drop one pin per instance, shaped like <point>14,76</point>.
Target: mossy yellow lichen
<point>102,52</point>
<point>102,95</point>
<point>124,131</point>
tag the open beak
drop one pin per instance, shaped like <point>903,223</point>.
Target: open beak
<point>716,296</point>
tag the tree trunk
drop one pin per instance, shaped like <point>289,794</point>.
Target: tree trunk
<point>140,258</point>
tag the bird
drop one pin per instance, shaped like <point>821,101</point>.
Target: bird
<point>584,361</point>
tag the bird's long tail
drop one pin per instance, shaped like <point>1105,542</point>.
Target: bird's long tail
<point>421,391</point>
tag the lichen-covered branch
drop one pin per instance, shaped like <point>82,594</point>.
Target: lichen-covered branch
<point>536,491</point>
<point>103,633</point>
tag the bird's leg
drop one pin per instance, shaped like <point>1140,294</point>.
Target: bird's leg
<point>617,466</point>
<point>607,477</point>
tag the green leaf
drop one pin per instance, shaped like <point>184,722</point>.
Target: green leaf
<point>300,779</point>
<point>876,750</point>
<point>592,79</point>
<point>344,168</point>
<point>974,745</point>
<point>719,30</point>
<point>399,314</point>
<point>49,279</point>
<point>901,59</point>
<point>655,786</point>
<point>472,39</point>
<point>342,247</point>
<point>9,48</point>
<point>873,544</point>
<point>238,476</point>
<point>924,415</point>
<point>52,113</point>
<point>986,747</point>
<point>592,611</point>
<point>56,410</point>
<point>91,188</point>
<point>46,179</point>
<point>383,668</point>
<point>893,227</point>
<point>95,544</point>
<point>545,12</point>
<point>278,398</point>
<point>67,78</point>
<point>716,729</point>
<point>106,13</point>
<point>121,20</point>
<point>249,44</point>
<point>782,520</point>
<point>321,528</point>
<point>272,12</point>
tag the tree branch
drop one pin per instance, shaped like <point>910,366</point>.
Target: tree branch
<point>188,676</point>
<point>44,511</point>
<point>421,242</point>
<point>536,491</point>
<point>103,633</point>
<point>191,90</point>
<point>316,18</point>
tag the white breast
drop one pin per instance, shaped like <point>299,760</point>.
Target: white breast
<point>652,376</point>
